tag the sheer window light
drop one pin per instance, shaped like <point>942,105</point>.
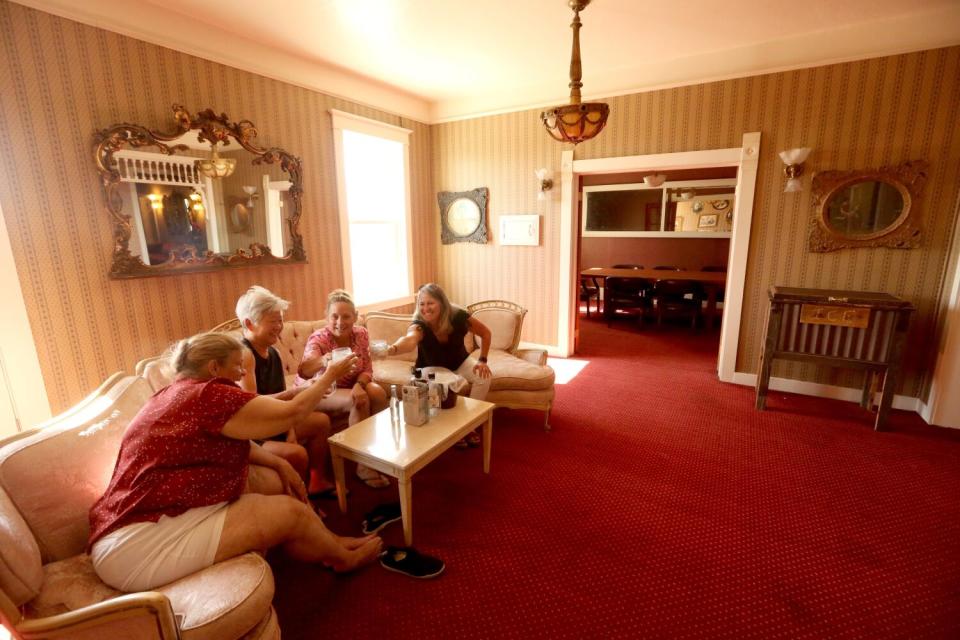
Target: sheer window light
<point>373,183</point>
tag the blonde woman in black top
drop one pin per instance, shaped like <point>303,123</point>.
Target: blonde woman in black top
<point>437,332</point>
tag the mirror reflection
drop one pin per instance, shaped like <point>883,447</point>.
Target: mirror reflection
<point>202,197</point>
<point>864,208</point>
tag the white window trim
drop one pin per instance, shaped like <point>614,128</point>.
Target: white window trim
<point>342,120</point>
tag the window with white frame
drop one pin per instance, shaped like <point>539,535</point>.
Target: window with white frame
<point>373,188</point>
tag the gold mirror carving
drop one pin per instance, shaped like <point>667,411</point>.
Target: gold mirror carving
<point>874,208</point>
<point>171,218</point>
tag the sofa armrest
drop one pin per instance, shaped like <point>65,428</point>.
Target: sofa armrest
<point>536,356</point>
<point>136,615</point>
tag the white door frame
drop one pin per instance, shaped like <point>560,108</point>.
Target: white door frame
<point>745,158</point>
<point>942,407</point>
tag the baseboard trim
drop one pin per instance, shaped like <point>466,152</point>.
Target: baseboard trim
<point>906,403</point>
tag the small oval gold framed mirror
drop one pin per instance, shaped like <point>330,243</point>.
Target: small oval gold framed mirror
<point>874,208</point>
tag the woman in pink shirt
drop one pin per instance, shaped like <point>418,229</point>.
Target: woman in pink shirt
<point>356,391</point>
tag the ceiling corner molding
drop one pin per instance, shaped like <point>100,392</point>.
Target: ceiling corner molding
<point>155,25</point>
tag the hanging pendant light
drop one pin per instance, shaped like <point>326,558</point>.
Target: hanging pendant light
<point>577,121</point>
<point>215,166</point>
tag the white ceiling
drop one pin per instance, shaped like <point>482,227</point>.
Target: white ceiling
<point>437,60</point>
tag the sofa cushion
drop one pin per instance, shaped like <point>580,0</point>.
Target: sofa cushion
<point>504,325</point>
<point>291,343</point>
<point>55,475</point>
<point>511,372</point>
<point>222,601</point>
<point>390,327</point>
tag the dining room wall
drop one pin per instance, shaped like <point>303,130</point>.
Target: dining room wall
<point>689,254</point>
<point>855,115</point>
<point>60,82</point>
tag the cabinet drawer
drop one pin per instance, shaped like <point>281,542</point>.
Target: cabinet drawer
<point>856,317</point>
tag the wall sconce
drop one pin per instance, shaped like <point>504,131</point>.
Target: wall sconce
<point>794,159</point>
<point>156,201</point>
<point>654,179</point>
<point>252,194</point>
<point>215,166</point>
<point>545,181</point>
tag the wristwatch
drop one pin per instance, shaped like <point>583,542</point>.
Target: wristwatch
<point>482,359</point>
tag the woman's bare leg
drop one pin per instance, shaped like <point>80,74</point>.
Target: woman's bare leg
<point>313,433</point>
<point>257,522</point>
<point>292,452</point>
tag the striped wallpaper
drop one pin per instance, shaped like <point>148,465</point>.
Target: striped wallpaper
<point>60,81</point>
<point>855,115</point>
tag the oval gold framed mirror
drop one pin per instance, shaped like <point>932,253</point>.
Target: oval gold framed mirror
<point>201,197</point>
<point>874,208</point>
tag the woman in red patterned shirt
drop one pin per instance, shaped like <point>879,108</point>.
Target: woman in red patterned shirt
<point>356,392</point>
<point>190,488</point>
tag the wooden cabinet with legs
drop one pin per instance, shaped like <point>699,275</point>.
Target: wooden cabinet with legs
<point>853,329</point>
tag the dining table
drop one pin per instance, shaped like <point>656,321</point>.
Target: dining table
<point>712,282</point>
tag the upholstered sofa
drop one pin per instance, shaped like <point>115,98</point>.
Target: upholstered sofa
<point>49,478</point>
<point>521,377</point>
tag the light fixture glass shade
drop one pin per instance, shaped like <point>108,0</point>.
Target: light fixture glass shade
<point>544,182</point>
<point>654,179</point>
<point>793,184</point>
<point>575,122</point>
<point>215,166</point>
<point>795,156</point>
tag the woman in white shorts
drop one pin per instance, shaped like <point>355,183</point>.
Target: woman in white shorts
<point>190,488</point>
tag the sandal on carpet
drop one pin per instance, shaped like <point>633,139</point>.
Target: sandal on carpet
<point>473,439</point>
<point>371,478</point>
<point>380,516</point>
<point>409,561</point>
<point>461,443</point>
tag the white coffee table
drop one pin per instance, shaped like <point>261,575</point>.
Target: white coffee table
<point>400,450</point>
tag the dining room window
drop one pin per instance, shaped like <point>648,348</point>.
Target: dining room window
<point>373,188</point>
<point>690,209</point>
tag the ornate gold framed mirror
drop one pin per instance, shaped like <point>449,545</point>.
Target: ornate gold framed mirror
<point>463,216</point>
<point>873,208</point>
<point>191,200</point>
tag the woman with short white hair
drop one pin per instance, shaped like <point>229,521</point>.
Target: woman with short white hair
<point>260,312</point>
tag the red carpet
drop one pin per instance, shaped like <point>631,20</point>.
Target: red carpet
<point>664,506</point>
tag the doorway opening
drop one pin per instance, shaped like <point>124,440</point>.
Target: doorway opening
<point>743,160</point>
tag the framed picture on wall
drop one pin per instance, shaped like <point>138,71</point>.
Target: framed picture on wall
<point>707,221</point>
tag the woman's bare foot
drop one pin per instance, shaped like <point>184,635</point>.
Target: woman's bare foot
<point>356,558</point>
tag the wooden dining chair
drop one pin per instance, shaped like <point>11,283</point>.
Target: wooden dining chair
<point>626,294</point>
<point>590,290</point>
<point>676,298</point>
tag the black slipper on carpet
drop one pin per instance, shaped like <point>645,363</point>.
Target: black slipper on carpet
<point>380,516</point>
<point>409,561</point>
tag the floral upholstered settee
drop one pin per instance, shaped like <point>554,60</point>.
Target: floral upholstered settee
<point>49,479</point>
<point>521,377</point>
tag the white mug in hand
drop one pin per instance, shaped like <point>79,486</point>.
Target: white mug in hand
<point>340,353</point>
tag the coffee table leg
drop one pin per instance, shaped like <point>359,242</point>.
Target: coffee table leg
<point>406,509</point>
<point>340,478</point>
<point>487,440</point>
